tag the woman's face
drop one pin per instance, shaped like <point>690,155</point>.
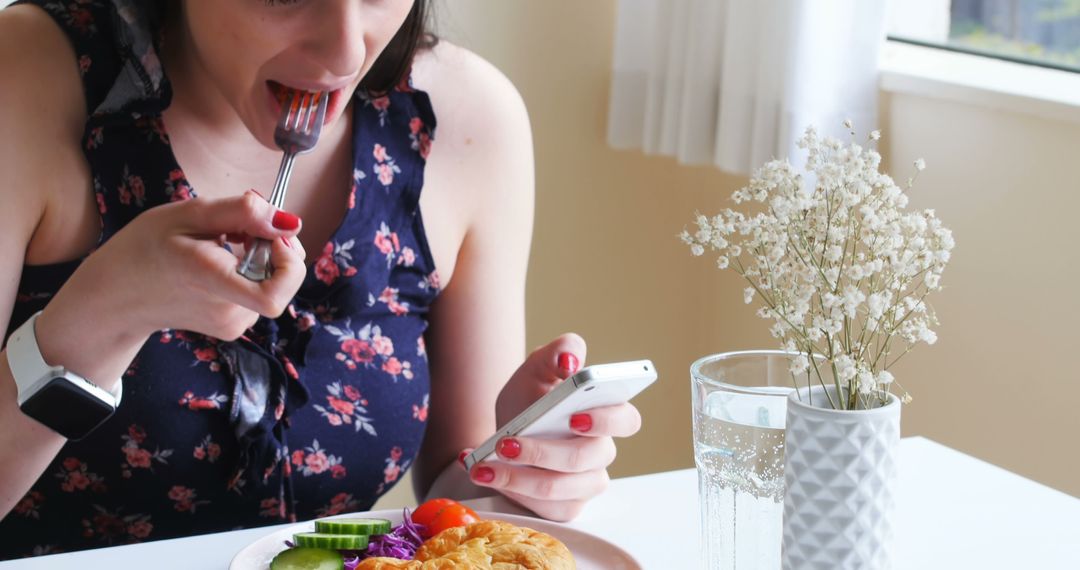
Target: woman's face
<point>251,49</point>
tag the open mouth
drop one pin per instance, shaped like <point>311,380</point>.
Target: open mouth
<point>280,93</point>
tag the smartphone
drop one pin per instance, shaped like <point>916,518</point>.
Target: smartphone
<point>549,417</point>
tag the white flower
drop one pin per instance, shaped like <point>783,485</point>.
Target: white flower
<point>926,335</point>
<point>866,382</point>
<point>875,303</point>
<point>848,124</point>
<point>840,265</point>
<point>799,364</point>
<point>845,367</point>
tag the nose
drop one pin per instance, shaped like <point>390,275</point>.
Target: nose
<point>337,38</point>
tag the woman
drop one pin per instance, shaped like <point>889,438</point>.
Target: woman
<point>390,334</point>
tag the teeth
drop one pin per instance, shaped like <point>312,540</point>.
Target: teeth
<point>282,92</point>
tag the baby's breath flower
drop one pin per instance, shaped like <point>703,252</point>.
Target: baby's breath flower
<point>841,268</point>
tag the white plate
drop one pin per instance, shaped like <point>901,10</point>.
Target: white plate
<point>590,551</point>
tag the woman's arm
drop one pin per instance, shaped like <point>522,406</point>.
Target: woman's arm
<point>98,321</point>
<point>41,120</point>
<point>482,154</point>
<point>479,376</point>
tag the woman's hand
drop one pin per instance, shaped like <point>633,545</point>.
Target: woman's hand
<point>168,269</point>
<point>554,477</point>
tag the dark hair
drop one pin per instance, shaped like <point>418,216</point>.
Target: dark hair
<point>396,60</point>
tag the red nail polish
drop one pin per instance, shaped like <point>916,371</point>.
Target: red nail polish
<point>285,221</point>
<point>484,474</point>
<point>568,363</point>
<point>509,447</point>
<point>286,241</point>
<point>461,456</point>
<point>581,422</point>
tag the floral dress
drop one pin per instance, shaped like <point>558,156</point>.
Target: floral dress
<point>315,413</point>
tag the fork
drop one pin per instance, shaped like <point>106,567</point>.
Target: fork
<point>297,132</point>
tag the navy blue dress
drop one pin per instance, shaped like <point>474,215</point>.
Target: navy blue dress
<point>315,413</point>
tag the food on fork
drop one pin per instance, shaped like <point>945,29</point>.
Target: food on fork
<point>456,538</point>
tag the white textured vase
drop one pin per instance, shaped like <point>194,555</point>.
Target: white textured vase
<point>840,477</point>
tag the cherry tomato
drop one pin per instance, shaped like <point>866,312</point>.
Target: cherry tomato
<point>451,516</point>
<point>426,512</point>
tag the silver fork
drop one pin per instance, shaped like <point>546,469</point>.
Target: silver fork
<point>297,132</point>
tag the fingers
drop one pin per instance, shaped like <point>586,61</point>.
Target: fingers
<point>540,484</point>
<point>248,213</point>
<point>621,420</point>
<point>574,455</point>
<point>558,359</point>
<point>216,274</point>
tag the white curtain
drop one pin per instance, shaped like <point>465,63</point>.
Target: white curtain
<point>735,82</point>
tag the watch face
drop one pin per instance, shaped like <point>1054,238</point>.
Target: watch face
<point>67,409</point>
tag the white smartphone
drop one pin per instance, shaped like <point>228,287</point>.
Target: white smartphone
<point>549,417</point>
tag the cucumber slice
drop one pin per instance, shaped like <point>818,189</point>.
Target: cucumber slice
<point>308,559</point>
<point>331,541</point>
<point>353,526</point>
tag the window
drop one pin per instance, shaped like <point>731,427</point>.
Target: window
<point>1040,32</point>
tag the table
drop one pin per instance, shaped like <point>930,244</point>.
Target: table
<point>954,511</point>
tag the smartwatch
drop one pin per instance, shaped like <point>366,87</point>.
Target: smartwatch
<point>61,400</point>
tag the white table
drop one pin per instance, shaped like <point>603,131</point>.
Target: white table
<point>954,512</point>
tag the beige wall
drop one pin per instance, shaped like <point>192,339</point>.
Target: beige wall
<point>606,263</point>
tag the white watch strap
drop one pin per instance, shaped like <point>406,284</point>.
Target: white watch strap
<point>28,367</point>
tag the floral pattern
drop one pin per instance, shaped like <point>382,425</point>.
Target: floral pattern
<point>335,261</point>
<point>368,347</point>
<point>349,350</point>
<point>74,476</point>
<point>314,460</point>
<point>346,407</point>
<point>138,457</point>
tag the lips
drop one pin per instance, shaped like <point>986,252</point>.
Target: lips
<point>280,92</point>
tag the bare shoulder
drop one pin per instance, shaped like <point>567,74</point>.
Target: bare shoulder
<point>42,116</point>
<point>469,90</point>
<point>40,83</point>
<point>483,139</point>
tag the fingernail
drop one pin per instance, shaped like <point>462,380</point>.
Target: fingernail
<point>257,193</point>
<point>285,221</point>
<point>509,447</point>
<point>581,422</point>
<point>461,457</point>
<point>568,363</point>
<point>483,474</point>
<point>286,241</point>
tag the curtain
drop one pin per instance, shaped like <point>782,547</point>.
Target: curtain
<point>734,83</point>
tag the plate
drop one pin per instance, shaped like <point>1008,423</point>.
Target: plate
<point>590,551</point>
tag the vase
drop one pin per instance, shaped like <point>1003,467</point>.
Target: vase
<point>840,483</point>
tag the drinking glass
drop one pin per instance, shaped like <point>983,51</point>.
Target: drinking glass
<point>740,402</point>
